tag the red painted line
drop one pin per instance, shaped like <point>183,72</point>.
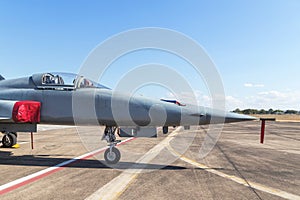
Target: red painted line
<point>51,170</point>
<point>9,189</point>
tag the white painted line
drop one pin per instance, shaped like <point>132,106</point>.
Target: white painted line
<point>43,173</point>
<point>45,127</point>
<point>239,180</point>
<point>22,142</point>
<point>114,188</point>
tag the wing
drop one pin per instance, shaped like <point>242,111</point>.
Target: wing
<point>19,111</point>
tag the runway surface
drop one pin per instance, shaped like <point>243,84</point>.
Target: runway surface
<point>167,167</point>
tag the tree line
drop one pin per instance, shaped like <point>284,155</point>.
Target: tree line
<point>262,111</point>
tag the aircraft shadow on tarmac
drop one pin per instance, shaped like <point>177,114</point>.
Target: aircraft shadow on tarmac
<point>7,158</point>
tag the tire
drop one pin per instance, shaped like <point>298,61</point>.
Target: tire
<point>15,133</point>
<point>9,140</point>
<point>165,129</point>
<point>113,157</point>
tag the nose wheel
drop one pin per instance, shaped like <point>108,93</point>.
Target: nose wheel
<point>112,155</point>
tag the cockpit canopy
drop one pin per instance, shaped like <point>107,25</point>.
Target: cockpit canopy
<point>48,79</point>
<point>66,81</point>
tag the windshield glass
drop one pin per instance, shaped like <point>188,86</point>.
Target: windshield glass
<point>58,79</point>
<point>86,83</point>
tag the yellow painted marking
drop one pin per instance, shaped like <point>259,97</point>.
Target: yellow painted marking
<point>16,146</point>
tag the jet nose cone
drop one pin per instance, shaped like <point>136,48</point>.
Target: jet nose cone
<point>234,117</point>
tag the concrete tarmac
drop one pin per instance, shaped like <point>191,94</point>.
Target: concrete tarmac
<point>167,167</point>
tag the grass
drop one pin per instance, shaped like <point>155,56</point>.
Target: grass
<point>287,117</point>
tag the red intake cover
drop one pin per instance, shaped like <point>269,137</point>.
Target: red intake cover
<point>26,112</point>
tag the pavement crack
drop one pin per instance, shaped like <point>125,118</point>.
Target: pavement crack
<point>239,172</point>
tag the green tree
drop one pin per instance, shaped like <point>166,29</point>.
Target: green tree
<point>291,112</point>
<point>237,111</point>
<point>270,111</point>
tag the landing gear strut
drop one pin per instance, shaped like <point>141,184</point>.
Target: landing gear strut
<point>9,139</point>
<point>112,155</point>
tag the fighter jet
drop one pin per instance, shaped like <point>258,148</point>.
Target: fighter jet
<point>70,99</point>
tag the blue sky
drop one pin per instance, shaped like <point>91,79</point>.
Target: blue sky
<point>254,44</point>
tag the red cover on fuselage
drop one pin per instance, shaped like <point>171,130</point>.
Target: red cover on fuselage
<point>26,112</point>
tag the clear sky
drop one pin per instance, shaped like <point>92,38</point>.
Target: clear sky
<point>254,44</point>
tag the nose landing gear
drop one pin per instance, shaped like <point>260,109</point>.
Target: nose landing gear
<point>112,155</point>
